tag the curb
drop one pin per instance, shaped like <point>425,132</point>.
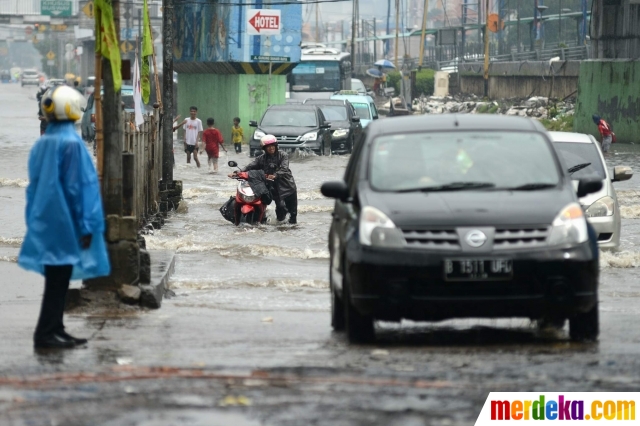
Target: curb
<point>162,267</point>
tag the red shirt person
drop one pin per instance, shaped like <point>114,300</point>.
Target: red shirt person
<point>605,132</point>
<point>213,141</point>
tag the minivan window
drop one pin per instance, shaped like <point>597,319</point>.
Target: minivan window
<point>457,160</point>
<point>574,154</point>
<point>280,117</point>
<point>362,110</point>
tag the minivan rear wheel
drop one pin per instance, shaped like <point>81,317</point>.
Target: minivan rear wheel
<point>585,326</point>
<point>359,327</point>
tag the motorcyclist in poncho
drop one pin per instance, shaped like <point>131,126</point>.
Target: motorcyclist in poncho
<point>275,165</point>
<point>65,220</point>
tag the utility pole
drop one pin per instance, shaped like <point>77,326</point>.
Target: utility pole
<point>386,42</point>
<point>375,41</point>
<point>112,122</point>
<point>424,32</point>
<point>317,27</point>
<point>167,88</point>
<point>486,49</point>
<point>353,39</point>
<point>397,29</point>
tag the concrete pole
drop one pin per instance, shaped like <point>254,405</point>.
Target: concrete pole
<point>167,88</point>
<point>424,31</point>
<point>112,121</point>
<point>397,29</point>
<point>486,49</point>
<point>353,40</point>
<point>375,41</point>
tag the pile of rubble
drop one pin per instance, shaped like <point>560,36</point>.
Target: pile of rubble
<point>536,107</point>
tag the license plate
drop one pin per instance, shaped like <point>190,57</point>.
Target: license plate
<point>478,269</point>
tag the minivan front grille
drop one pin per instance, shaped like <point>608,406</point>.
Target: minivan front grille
<point>520,238</point>
<point>287,139</point>
<point>442,239</point>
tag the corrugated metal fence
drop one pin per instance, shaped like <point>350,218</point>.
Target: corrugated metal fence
<point>142,167</point>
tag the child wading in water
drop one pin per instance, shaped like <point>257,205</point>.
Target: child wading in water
<point>237,135</point>
<point>213,141</point>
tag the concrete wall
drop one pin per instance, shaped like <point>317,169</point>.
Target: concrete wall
<point>521,79</point>
<point>609,89</point>
<point>224,97</point>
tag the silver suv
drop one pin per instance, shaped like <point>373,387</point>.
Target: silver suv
<point>30,77</point>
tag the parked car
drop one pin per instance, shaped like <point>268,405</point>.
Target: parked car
<point>5,76</point>
<point>583,158</point>
<point>295,126</point>
<point>454,216</point>
<point>345,123</point>
<point>87,126</point>
<point>359,87</point>
<point>364,105</point>
<point>30,77</point>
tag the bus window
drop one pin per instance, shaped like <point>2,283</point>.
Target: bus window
<point>316,76</point>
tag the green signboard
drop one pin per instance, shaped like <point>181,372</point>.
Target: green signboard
<point>57,8</point>
<point>263,58</point>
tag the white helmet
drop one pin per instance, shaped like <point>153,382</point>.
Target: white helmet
<point>62,103</point>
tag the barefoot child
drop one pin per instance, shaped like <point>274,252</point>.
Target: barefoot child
<point>213,141</point>
<point>237,135</point>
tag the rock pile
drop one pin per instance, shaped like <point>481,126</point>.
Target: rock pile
<point>536,107</point>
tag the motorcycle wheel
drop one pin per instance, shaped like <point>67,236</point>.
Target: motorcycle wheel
<point>243,218</point>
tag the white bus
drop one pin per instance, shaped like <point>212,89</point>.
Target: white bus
<point>320,73</point>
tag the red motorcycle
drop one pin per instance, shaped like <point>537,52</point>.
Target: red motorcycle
<point>246,207</point>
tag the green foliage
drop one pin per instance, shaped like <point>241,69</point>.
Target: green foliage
<point>425,82</point>
<point>393,80</point>
<point>493,110</point>
<point>559,124</point>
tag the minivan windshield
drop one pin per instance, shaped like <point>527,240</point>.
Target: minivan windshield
<point>334,112</point>
<point>578,154</point>
<point>442,161</point>
<point>294,118</point>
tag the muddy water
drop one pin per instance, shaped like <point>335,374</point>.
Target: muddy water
<point>271,265</point>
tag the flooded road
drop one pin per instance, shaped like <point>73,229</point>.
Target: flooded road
<point>247,337</point>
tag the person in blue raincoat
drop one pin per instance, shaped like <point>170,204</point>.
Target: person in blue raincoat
<point>65,220</point>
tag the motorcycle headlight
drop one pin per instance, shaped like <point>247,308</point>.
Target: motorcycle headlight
<point>569,227</point>
<point>248,198</point>
<point>309,137</point>
<point>603,207</point>
<point>340,133</point>
<point>377,230</point>
<point>258,134</point>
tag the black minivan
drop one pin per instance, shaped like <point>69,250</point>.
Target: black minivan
<point>454,216</point>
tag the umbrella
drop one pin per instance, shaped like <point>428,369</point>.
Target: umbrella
<point>374,72</point>
<point>384,64</point>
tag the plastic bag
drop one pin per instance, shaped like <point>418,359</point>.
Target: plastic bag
<point>228,209</point>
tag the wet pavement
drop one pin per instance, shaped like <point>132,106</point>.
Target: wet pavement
<point>246,339</point>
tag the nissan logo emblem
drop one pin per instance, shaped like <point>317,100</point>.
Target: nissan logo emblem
<point>476,238</point>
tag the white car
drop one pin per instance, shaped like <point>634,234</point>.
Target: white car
<point>583,158</point>
<point>30,77</point>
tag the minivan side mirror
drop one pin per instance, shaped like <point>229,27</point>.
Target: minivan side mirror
<point>325,125</point>
<point>253,123</point>
<point>355,119</point>
<point>232,164</point>
<point>335,189</point>
<point>621,173</point>
<point>588,186</point>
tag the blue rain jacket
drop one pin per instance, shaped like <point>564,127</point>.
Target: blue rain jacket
<point>63,204</point>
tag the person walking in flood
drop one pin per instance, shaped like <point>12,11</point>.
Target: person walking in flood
<point>213,142</point>
<point>65,221</point>
<point>606,133</point>
<point>193,135</point>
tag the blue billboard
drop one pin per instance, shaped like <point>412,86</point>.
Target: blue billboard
<point>208,32</point>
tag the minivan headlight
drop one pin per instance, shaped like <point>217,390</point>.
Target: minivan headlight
<point>569,227</point>
<point>603,207</point>
<point>340,133</point>
<point>309,137</point>
<point>377,230</point>
<point>258,135</point>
